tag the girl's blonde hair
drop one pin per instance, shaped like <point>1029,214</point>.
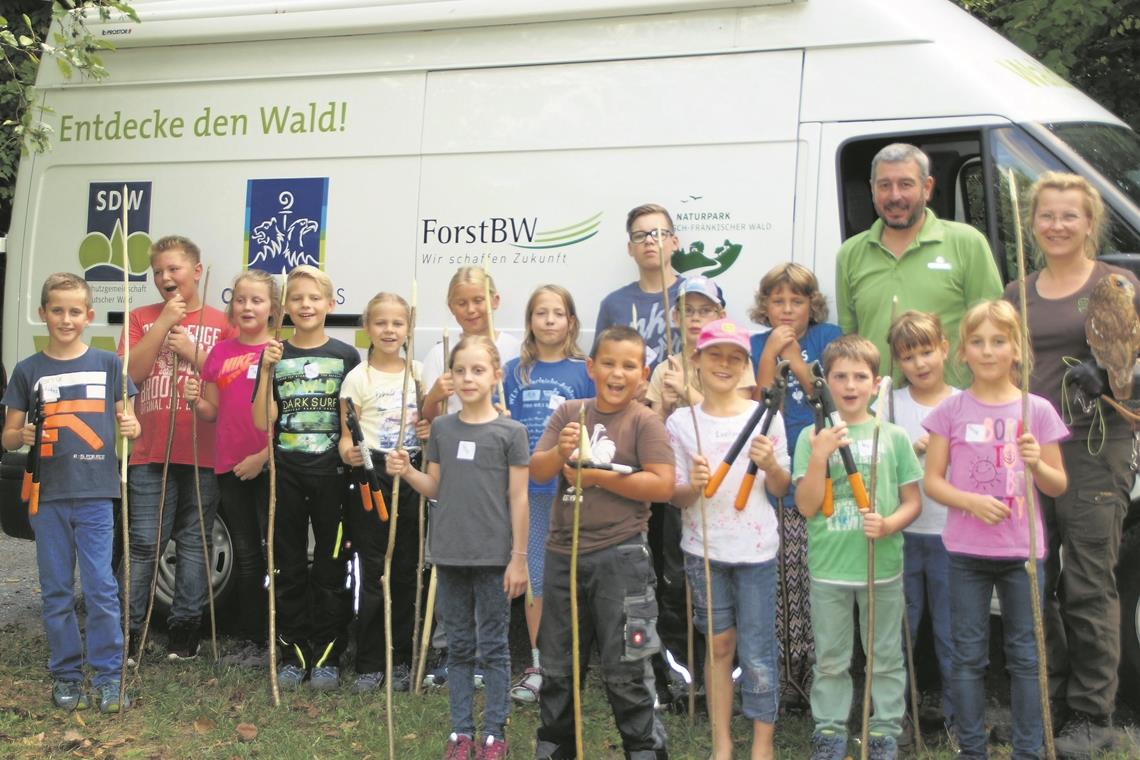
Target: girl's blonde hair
<point>802,282</point>
<point>528,352</point>
<point>260,277</point>
<point>476,341</point>
<point>1093,205</point>
<point>1004,317</point>
<point>324,282</point>
<point>381,298</point>
<point>469,275</point>
<point>912,330</point>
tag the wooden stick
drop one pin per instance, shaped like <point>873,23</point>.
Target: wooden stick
<point>124,491</point>
<point>197,476</point>
<point>575,664</point>
<point>702,505</point>
<point>487,295</point>
<point>1030,501</point>
<point>690,651</point>
<point>425,641</point>
<point>392,522</point>
<point>271,566</point>
<point>664,293</point>
<point>884,392</point>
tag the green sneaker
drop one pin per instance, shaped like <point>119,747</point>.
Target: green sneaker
<point>69,695</point>
<point>112,697</point>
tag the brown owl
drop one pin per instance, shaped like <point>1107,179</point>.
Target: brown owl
<point>1113,331</point>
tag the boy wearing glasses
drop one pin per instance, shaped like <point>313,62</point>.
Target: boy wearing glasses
<point>638,304</point>
<point>703,303</point>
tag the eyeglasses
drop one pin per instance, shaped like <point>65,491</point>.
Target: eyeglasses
<point>702,312</point>
<point>641,235</point>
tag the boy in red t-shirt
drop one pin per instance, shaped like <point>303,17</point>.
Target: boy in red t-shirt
<point>158,332</point>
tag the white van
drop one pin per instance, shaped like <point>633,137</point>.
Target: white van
<point>389,140</point>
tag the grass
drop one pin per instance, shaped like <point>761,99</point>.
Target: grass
<point>193,710</point>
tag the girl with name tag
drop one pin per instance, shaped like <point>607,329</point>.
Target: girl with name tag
<point>228,379</point>
<point>477,472</point>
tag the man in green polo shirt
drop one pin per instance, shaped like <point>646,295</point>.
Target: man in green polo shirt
<point>930,264</point>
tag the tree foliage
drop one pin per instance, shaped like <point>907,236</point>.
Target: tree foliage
<point>1095,44</point>
<point>27,36</point>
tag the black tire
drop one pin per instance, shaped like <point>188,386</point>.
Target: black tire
<point>1128,584</point>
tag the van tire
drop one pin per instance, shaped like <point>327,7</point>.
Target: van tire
<point>222,562</point>
<point>1128,585</point>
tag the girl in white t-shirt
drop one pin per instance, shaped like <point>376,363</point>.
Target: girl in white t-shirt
<point>742,543</point>
<point>378,394</point>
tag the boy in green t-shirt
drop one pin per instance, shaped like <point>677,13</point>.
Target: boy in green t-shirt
<point>837,551</point>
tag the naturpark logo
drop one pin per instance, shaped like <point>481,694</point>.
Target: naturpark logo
<point>101,251</point>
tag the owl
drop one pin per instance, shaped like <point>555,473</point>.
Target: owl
<point>1113,331</point>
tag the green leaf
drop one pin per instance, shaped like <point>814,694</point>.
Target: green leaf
<point>64,67</point>
<point>25,40</point>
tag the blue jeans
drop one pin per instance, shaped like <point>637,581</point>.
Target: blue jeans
<point>744,598</point>
<point>82,529</point>
<point>972,581</point>
<point>180,522</point>
<point>476,613</point>
<point>927,569</point>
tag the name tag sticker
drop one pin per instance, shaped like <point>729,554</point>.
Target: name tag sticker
<point>251,373</point>
<point>939,263</point>
<point>975,433</point>
<point>532,395</point>
<point>311,371</point>
<point>555,401</point>
<point>96,391</point>
<point>466,451</point>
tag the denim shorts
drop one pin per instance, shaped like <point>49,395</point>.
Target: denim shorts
<point>744,598</point>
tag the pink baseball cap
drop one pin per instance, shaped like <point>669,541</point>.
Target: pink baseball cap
<point>724,331</point>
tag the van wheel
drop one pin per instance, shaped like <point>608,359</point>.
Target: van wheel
<point>1128,584</point>
<point>221,573</point>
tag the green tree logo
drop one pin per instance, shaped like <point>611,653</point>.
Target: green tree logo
<point>695,259</point>
<point>102,259</point>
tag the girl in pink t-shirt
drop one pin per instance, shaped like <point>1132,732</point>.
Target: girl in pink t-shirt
<point>228,379</point>
<point>976,464</point>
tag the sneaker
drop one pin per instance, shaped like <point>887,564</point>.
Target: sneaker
<point>401,678</point>
<point>183,644</point>
<point>112,697</point>
<point>438,676</point>
<point>882,748</point>
<point>133,649</point>
<point>527,688</point>
<point>1084,735</point>
<point>69,695</point>
<point>828,746</point>
<point>366,682</point>
<point>290,676</point>
<point>491,749</point>
<point>459,747</point>
<point>325,678</point>
<point>478,677</point>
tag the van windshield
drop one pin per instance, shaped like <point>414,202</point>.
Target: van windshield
<point>1114,151</point>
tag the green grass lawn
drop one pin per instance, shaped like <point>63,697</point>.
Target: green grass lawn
<point>192,710</point>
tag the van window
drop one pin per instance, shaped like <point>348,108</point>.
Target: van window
<point>1113,150</point>
<point>1011,147</point>
<point>955,164</point>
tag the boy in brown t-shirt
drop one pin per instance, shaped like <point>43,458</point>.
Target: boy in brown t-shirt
<point>618,608</point>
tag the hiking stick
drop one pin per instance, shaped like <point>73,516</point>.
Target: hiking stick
<point>884,392</point>
<point>393,519</point>
<point>124,447</point>
<point>424,636</point>
<point>664,293</point>
<point>491,327</point>
<point>710,655</point>
<point>197,476</point>
<point>416,621</point>
<point>161,508</point>
<point>271,519</point>
<point>1030,502</point>
<point>575,664</point>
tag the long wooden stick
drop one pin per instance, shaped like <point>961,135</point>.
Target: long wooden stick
<point>575,663</point>
<point>702,505</point>
<point>392,522</point>
<point>198,477</point>
<point>271,521</point>
<point>124,490</point>
<point>884,401</point>
<point>1030,501</point>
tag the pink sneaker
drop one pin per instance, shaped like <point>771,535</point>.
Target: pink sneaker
<point>459,747</point>
<point>491,749</point>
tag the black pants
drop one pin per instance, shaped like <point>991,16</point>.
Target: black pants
<point>244,506</point>
<point>617,611</point>
<point>669,565</point>
<point>370,541</point>
<point>313,605</point>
